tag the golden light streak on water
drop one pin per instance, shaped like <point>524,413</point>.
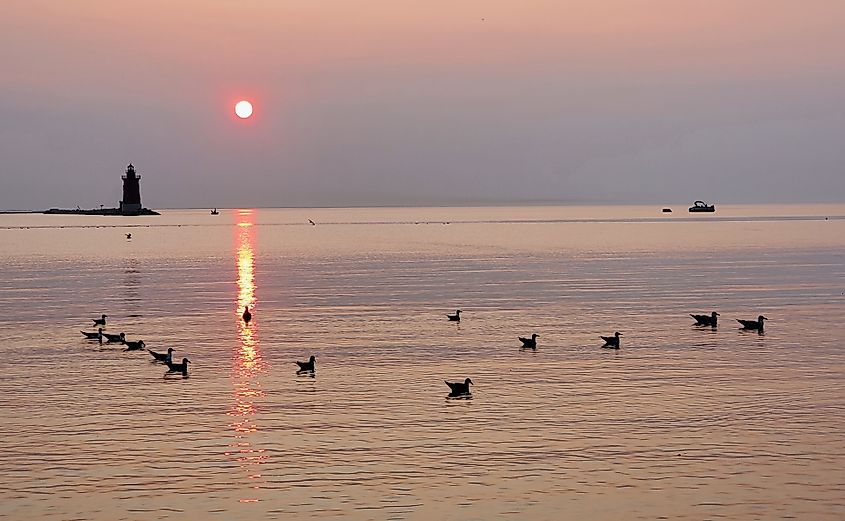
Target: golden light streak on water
<point>247,361</point>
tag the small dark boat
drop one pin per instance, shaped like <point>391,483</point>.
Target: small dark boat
<point>529,343</point>
<point>612,342</point>
<point>247,316</point>
<point>134,346</point>
<point>121,337</point>
<point>163,357</point>
<point>706,320</point>
<point>755,325</point>
<point>215,212</point>
<point>701,206</point>
<point>100,321</point>
<point>178,368</point>
<point>456,317</point>
<point>459,388</point>
<point>307,366</point>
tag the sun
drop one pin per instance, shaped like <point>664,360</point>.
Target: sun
<point>243,109</point>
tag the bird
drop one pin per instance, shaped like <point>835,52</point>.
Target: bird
<point>163,357</point>
<point>756,325</point>
<point>128,235</point>
<point>459,388</point>
<point>247,315</point>
<point>530,343</point>
<point>706,320</point>
<point>94,336</point>
<point>115,338</point>
<point>307,366</point>
<point>312,222</point>
<point>178,368</point>
<point>134,346</point>
<point>612,342</point>
<point>100,321</point>
<point>456,317</point>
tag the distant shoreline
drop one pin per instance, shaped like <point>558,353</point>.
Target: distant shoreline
<point>79,211</point>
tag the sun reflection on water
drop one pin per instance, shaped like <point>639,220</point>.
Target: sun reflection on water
<point>247,363</point>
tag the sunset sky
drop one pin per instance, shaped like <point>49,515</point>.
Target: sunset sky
<point>399,102</point>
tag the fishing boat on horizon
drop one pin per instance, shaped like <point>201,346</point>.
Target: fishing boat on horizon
<point>701,206</point>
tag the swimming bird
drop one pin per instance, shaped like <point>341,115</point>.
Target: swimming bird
<point>128,235</point>
<point>94,336</point>
<point>612,342</point>
<point>115,338</point>
<point>456,317</point>
<point>134,346</point>
<point>163,357</point>
<point>178,368</point>
<point>307,366</point>
<point>530,343</point>
<point>312,222</point>
<point>100,321</point>
<point>756,325</point>
<point>459,388</point>
<point>247,315</point>
<point>706,320</point>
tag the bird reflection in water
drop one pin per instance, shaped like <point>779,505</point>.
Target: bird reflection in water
<point>247,363</point>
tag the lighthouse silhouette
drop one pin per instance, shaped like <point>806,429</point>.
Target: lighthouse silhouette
<point>131,203</point>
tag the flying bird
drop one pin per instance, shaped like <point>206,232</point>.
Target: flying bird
<point>529,343</point>
<point>312,222</point>
<point>756,325</point>
<point>706,320</point>
<point>612,342</point>
<point>459,388</point>
<point>456,317</point>
<point>307,366</point>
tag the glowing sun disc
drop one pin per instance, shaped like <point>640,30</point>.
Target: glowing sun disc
<point>243,109</point>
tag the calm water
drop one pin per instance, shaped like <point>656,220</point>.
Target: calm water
<point>681,423</point>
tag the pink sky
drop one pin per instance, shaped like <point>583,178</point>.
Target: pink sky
<point>396,102</point>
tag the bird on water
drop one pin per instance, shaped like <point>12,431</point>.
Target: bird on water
<point>456,317</point>
<point>612,342</point>
<point>167,357</point>
<point>247,316</point>
<point>529,343</point>
<point>756,325</point>
<point>121,337</point>
<point>706,320</point>
<point>178,368</point>
<point>100,321</point>
<point>135,346</point>
<point>307,366</point>
<point>98,335</point>
<point>459,388</point>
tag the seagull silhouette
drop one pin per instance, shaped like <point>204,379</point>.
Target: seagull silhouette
<point>529,343</point>
<point>612,342</point>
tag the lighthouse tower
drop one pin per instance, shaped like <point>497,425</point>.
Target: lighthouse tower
<point>131,203</point>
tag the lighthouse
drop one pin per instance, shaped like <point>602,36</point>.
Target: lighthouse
<point>131,202</point>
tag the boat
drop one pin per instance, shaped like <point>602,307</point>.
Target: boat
<point>701,206</point>
<point>214,212</point>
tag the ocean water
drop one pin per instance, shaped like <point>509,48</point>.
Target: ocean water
<point>681,423</point>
